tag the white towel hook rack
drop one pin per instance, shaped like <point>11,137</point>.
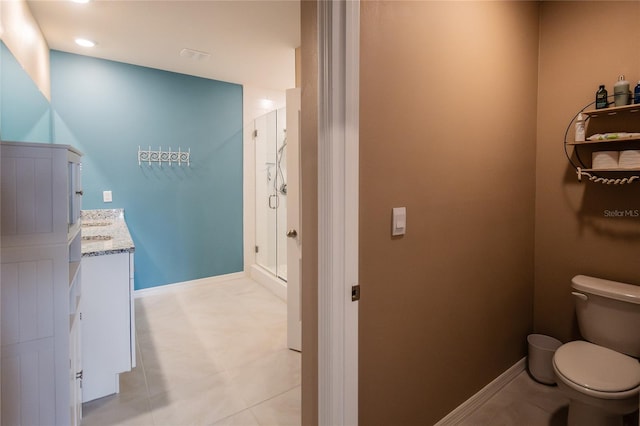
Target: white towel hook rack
<point>150,156</point>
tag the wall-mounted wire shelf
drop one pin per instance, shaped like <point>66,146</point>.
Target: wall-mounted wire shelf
<point>606,121</point>
<point>150,156</point>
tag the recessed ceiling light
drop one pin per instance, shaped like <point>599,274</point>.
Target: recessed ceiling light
<point>81,1</point>
<point>84,42</point>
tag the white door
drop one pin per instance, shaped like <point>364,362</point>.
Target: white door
<point>294,317</point>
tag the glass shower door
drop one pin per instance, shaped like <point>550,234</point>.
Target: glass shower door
<point>271,192</point>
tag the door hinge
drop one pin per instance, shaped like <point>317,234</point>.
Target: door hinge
<point>255,134</point>
<point>257,249</point>
<point>355,293</point>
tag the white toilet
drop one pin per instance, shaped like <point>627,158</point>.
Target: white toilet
<point>601,376</point>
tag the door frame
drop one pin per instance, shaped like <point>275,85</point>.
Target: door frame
<point>294,249</point>
<point>338,200</point>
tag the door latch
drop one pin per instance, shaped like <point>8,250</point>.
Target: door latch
<point>355,293</point>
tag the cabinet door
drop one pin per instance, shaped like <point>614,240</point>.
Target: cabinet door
<point>35,327</point>
<point>34,195</point>
<point>106,323</point>
<point>75,369</point>
<point>28,383</point>
<point>132,310</point>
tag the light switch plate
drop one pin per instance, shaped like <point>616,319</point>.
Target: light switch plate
<point>106,196</point>
<point>399,222</point>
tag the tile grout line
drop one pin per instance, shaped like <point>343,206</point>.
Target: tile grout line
<point>235,414</point>
<point>146,382</point>
<point>273,397</point>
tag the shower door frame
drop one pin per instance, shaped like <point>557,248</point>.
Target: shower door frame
<point>270,218</point>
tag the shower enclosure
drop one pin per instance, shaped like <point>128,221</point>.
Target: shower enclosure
<point>271,192</point>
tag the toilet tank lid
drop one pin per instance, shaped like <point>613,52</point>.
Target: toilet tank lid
<point>615,290</point>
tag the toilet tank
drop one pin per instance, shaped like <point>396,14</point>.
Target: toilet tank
<point>608,313</point>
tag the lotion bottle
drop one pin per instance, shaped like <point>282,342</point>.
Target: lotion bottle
<point>621,91</point>
<point>580,128</point>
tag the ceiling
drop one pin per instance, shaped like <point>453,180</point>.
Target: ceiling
<point>250,42</point>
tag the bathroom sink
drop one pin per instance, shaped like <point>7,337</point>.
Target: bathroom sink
<point>96,237</point>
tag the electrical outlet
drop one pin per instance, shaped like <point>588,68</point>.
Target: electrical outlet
<point>106,196</point>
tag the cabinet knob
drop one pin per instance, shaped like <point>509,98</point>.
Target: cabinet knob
<point>292,233</point>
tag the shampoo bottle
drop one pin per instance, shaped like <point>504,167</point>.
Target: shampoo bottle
<point>621,91</point>
<point>580,128</point>
<point>601,97</point>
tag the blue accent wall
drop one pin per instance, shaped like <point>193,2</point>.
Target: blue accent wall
<point>25,115</point>
<point>186,222</point>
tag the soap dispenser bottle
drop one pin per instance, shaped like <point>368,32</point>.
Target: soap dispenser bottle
<point>621,91</point>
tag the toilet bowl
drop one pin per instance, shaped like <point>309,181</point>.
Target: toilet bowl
<point>601,376</point>
<point>602,384</point>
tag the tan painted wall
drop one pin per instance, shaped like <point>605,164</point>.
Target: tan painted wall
<point>309,211</point>
<point>582,45</point>
<point>447,129</point>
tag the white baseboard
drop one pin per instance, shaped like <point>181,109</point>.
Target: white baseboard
<point>268,280</point>
<point>167,288</point>
<point>483,395</point>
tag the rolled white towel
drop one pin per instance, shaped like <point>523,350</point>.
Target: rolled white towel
<point>629,159</point>
<point>605,159</point>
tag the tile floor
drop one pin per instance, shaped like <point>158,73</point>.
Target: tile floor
<point>522,402</point>
<point>211,354</point>
<point>525,402</point>
<point>216,355</point>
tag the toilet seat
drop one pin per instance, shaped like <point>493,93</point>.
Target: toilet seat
<point>597,368</point>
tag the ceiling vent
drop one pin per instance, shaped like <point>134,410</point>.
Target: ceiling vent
<point>196,55</point>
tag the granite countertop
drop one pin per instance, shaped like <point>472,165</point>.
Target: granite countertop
<point>105,232</point>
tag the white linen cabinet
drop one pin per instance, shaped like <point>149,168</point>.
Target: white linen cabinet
<point>41,285</point>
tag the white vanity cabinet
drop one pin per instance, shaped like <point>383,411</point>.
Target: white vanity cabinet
<point>108,322</point>
<point>41,285</point>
